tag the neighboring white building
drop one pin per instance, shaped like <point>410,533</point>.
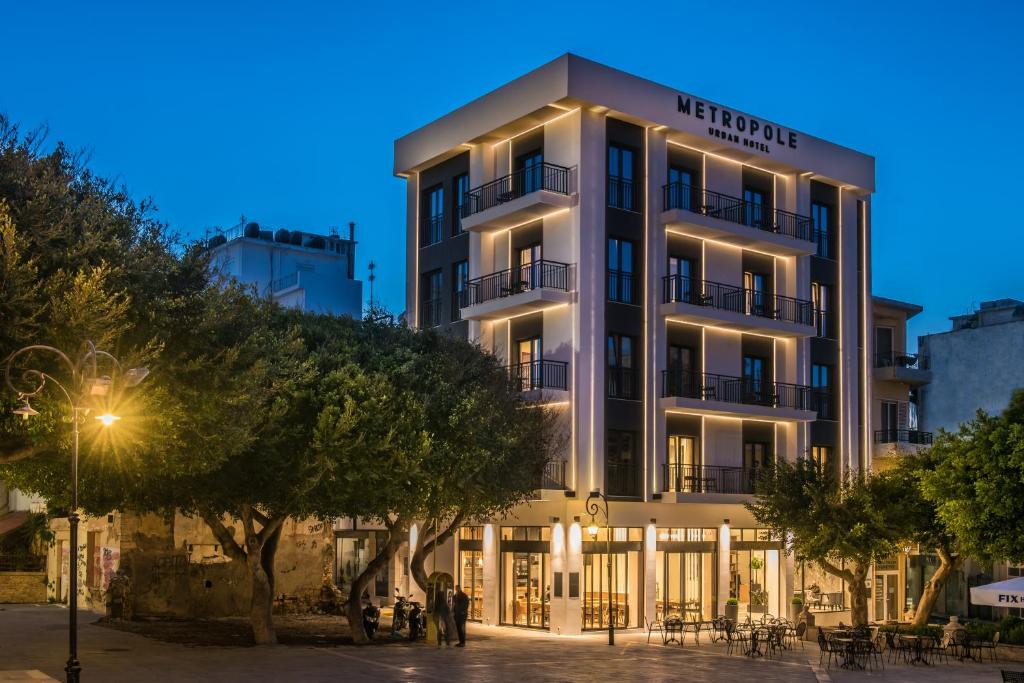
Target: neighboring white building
<point>689,285</point>
<point>294,268</point>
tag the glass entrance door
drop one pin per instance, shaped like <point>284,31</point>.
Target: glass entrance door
<point>615,600</point>
<point>527,593</point>
<point>886,597</point>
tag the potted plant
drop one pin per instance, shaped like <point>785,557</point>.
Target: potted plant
<point>732,609</point>
<point>758,597</point>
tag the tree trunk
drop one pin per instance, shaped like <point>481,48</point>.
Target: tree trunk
<point>859,595</point>
<point>354,606</point>
<point>932,587</point>
<point>258,556</point>
<point>425,547</point>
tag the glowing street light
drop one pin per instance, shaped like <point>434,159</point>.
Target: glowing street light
<point>84,385</point>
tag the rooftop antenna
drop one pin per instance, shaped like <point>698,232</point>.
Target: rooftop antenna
<point>371,278</point>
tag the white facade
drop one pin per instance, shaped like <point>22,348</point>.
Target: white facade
<point>549,207</point>
<point>297,269</point>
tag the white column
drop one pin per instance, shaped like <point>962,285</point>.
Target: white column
<point>557,602</point>
<point>573,623</point>
<point>723,566</point>
<point>650,570</point>
<point>491,575</point>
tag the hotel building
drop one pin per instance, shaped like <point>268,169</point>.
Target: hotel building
<point>689,286</point>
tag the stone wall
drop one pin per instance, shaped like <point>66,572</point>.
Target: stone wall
<point>22,587</point>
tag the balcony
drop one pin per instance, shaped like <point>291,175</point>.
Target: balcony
<point>553,478</point>
<point>735,308</point>
<point>912,437</point>
<point>623,383</point>
<point>541,381</point>
<point>515,291</point>
<point>905,368</point>
<point>705,393</point>
<point>525,195</point>
<point>430,313</point>
<point>622,480</point>
<point>729,219</point>
<point>696,479</point>
<point>625,194</point>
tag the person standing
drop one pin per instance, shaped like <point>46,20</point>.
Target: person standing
<point>442,617</point>
<point>461,610</point>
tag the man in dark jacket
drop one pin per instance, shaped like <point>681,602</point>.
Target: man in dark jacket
<point>461,610</point>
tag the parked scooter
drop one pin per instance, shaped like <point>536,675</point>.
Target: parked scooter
<point>408,613</point>
<point>371,619</point>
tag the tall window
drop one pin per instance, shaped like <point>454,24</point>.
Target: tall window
<point>821,300</point>
<point>681,378</point>
<point>754,208</point>
<point>680,189</point>
<point>821,222</point>
<point>460,279</point>
<point>461,187</point>
<point>621,186</point>
<point>529,276</point>
<point>683,464</point>
<point>620,271</point>
<point>622,468</point>
<point>531,165</point>
<point>884,347</point>
<point>430,297</point>
<point>621,364</point>
<point>821,383</point>
<point>528,363</point>
<point>822,457</point>
<point>756,457</point>
<point>433,221</point>
<point>754,384</point>
<point>680,280</point>
<point>756,285</point>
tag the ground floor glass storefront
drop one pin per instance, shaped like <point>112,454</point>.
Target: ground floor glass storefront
<point>471,568</point>
<point>617,597</point>
<point>686,574</point>
<point>755,579</point>
<point>525,587</point>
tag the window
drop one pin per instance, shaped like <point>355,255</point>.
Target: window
<point>430,295</point>
<point>683,472</point>
<point>680,285</point>
<point>620,271</point>
<point>821,300</point>
<point>756,286</point>
<point>883,347</point>
<point>622,468</point>
<point>433,221</point>
<point>530,267</point>
<point>621,373</point>
<point>461,187</point>
<point>822,457</point>
<point>680,189</point>
<point>820,222</point>
<point>754,208</point>
<point>531,166</point>
<point>681,378</point>
<point>821,396</point>
<point>754,380</point>
<point>94,570</point>
<point>755,455</point>
<point>622,190</point>
<point>527,369</point>
<point>460,280</point>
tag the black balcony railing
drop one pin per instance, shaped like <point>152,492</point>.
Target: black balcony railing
<point>680,478</point>
<point>622,479</point>
<point>736,210</point>
<point>431,229</point>
<point>711,387</point>
<point>543,176</point>
<point>430,313</point>
<point>622,287</point>
<point>823,403</point>
<point>536,275</point>
<point>624,193</point>
<point>554,475</point>
<point>736,299</point>
<point>540,374</point>
<point>910,436</point>
<point>623,383</point>
<point>899,359</point>
<point>824,244</point>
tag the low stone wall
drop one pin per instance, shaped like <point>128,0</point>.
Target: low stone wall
<point>22,587</point>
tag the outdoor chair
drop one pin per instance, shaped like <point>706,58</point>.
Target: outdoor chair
<point>798,633</point>
<point>826,648</point>
<point>990,645</point>
<point>655,625</point>
<point>739,638</point>
<point>1012,676</point>
<point>894,647</point>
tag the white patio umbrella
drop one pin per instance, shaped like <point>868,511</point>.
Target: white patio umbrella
<point>1009,593</point>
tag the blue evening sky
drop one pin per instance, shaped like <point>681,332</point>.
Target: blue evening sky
<point>286,111</point>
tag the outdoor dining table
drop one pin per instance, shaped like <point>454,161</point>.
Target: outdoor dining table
<point>918,643</point>
<point>673,631</point>
<point>849,652</point>
<point>967,646</point>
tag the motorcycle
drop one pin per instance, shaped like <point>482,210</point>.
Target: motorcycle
<point>371,619</point>
<point>408,613</point>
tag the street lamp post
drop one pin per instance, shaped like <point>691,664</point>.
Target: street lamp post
<point>594,505</point>
<point>84,387</point>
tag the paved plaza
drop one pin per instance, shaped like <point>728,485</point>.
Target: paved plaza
<point>33,643</point>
